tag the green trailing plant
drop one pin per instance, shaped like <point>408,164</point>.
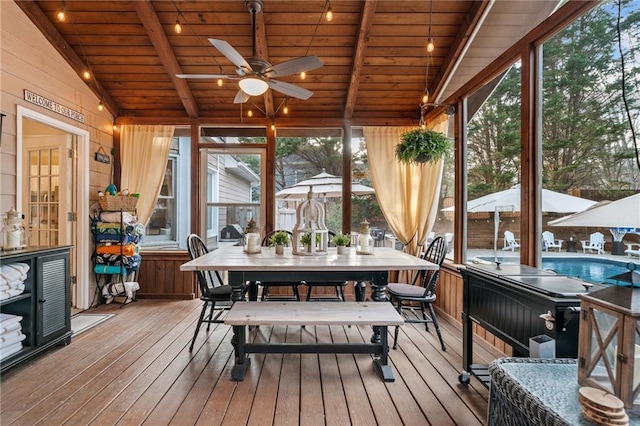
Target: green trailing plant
<point>422,145</point>
<point>341,240</point>
<point>279,238</point>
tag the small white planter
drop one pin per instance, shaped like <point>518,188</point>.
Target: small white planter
<point>341,249</point>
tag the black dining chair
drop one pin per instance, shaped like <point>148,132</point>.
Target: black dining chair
<point>267,284</point>
<point>337,285</point>
<point>212,290</point>
<point>423,293</point>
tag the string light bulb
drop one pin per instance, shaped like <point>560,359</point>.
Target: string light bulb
<point>303,75</point>
<point>100,106</point>
<point>115,127</point>
<point>61,16</point>
<point>430,46</point>
<point>219,82</point>
<point>273,127</point>
<point>329,14</point>
<point>86,74</point>
<point>250,113</point>
<point>177,27</point>
<point>285,109</point>
<point>425,96</point>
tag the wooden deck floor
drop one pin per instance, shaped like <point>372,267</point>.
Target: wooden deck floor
<point>136,368</point>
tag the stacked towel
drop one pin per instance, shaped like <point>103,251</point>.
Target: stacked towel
<point>11,336</point>
<point>12,277</point>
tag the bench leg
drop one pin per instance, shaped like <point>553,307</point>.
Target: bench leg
<point>381,364</point>
<point>242,361</point>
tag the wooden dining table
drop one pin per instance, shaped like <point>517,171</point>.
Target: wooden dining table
<point>245,270</point>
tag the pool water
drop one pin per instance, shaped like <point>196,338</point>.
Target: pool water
<point>592,270</point>
<point>595,270</point>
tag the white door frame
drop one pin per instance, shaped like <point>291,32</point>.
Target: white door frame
<point>82,187</point>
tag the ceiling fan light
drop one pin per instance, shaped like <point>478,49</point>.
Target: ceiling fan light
<point>253,86</point>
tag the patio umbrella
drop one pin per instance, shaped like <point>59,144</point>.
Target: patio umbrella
<point>323,184</point>
<point>623,213</point>
<point>620,216</point>
<point>510,200</point>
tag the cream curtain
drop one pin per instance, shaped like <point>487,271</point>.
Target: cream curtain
<point>144,151</point>
<point>408,194</point>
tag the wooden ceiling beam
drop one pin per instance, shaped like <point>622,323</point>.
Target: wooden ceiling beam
<point>472,20</point>
<point>262,51</point>
<point>51,33</point>
<point>366,21</point>
<point>152,25</point>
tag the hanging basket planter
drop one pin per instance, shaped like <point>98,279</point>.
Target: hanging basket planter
<point>421,146</point>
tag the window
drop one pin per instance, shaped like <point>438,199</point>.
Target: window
<point>493,168</point>
<point>169,225</point>
<point>587,147</point>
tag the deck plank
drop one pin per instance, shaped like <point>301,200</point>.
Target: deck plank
<point>311,404</point>
<point>287,405</point>
<point>145,374</point>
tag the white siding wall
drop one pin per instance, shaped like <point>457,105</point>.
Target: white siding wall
<point>28,61</point>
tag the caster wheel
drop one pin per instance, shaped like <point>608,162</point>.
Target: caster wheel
<point>464,378</point>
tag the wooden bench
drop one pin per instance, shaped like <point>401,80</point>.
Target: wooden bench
<point>376,314</point>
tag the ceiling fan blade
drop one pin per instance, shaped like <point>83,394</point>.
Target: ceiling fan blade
<point>241,97</point>
<point>294,66</point>
<point>207,76</point>
<point>231,54</point>
<point>290,89</point>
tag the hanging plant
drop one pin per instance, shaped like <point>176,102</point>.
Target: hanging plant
<point>422,145</point>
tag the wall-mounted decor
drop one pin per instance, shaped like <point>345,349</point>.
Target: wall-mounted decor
<point>102,157</point>
<point>53,106</point>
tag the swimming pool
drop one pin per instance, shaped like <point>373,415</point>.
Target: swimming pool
<point>595,270</point>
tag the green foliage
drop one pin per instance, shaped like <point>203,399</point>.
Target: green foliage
<point>341,240</point>
<point>422,145</point>
<point>280,238</point>
<point>305,239</point>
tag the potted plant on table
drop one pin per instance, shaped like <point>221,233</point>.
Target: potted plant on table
<point>279,239</point>
<point>341,241</point>
<point>305,240</point>
<point>422,145</point>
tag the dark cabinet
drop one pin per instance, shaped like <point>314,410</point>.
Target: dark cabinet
<point>45,305</point>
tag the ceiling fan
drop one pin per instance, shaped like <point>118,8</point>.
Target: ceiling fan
<point>256,75</point>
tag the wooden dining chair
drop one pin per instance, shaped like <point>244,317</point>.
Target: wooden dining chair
<point>267,284</point>
<point>421,291</point>
<point>338,286</point>
<point>213,292</point>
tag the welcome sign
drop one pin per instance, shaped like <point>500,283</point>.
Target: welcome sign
<point>52,106</point>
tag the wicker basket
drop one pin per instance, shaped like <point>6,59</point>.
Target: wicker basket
<point>117,203</point>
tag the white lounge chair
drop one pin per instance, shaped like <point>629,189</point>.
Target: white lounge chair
<point>596,242</point>
<point>549,241</point>
<point>631,251</point>
<point>510,242</point>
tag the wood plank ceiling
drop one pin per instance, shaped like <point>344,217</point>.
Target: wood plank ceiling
<point>373,54</point>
